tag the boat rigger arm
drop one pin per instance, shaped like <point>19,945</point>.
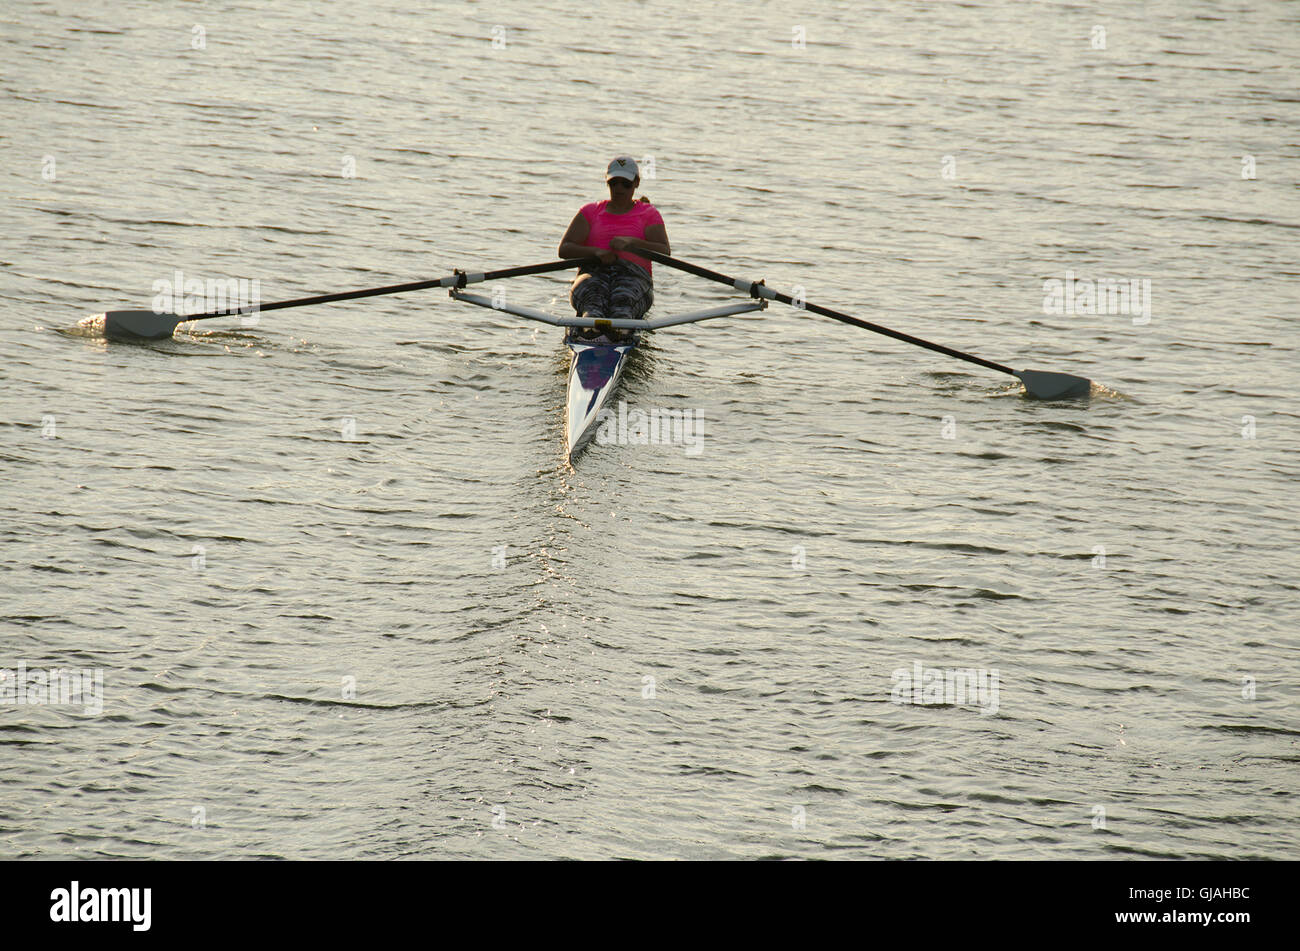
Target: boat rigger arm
<point>654,323</point>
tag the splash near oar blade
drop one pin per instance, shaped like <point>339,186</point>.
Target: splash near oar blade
<point>1045,385</point>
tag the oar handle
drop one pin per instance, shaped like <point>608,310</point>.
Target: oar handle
<point>459,279</point>
<point>757,289</point>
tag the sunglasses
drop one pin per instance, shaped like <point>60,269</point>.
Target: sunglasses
<point>619,182</point>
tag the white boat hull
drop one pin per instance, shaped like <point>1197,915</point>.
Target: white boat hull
<point>595,369</point>
<point>594,373</point>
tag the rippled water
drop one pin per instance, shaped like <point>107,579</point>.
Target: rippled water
<point>422,633</point>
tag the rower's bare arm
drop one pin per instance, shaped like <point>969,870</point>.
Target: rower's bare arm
<point>658,234</point>
<point>573,244</point>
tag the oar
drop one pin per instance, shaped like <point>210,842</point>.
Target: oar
<point>1040,384</point>
<point>153,326</point>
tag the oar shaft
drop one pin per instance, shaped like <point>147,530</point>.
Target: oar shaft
<point>453,280</point>
<point>750,287</point>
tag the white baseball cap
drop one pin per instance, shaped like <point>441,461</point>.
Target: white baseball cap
<point>623,167</point>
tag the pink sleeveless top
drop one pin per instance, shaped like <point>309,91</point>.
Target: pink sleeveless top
<point>631,224</point>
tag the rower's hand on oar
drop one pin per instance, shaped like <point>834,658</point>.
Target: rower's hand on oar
<point>606,255</point>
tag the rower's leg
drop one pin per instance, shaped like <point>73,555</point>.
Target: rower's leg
<point>589,293</point>
<point>590,297</point>
<point>632,293</point>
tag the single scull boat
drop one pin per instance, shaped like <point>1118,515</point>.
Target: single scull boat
<point>596,367</point>
<point>594,372</point>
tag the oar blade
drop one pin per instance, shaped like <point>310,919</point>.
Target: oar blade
<point>133,324</point>
<point>1046,385</point>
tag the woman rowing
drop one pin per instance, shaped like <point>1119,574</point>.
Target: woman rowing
<point>620,287</point>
